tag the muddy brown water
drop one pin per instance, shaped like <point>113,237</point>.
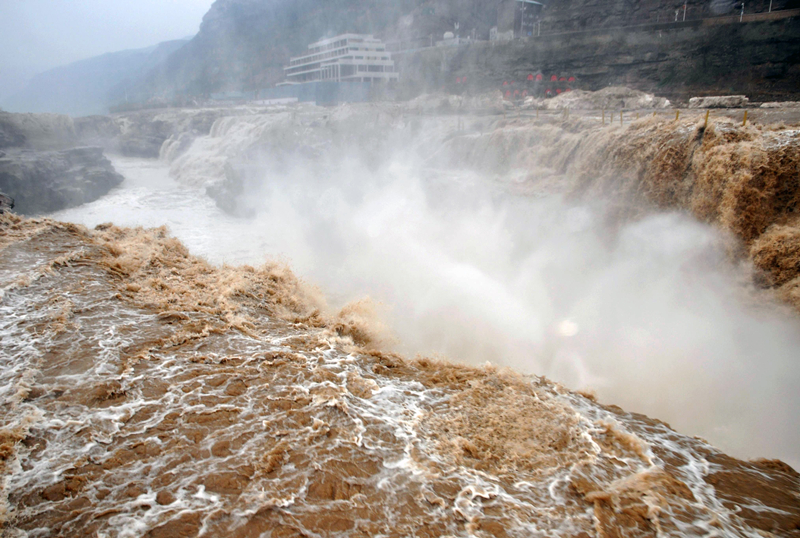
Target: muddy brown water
<point>160,396</point>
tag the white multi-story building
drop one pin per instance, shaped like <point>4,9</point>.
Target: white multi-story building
<point>346,57</point>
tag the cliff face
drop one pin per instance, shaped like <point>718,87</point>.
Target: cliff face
<point>582,15</point>
<point>759,59</point>
<point>45,181</point>
<point>244,44</point>
<point>43,170</point>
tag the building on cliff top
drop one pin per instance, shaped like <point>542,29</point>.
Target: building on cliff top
<point>346,57</point>
<point>516,18</point>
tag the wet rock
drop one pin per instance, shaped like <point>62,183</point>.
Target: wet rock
<point>46,181</point>
<point>228,193</point>
<point>144,139</point>
<point>719,101</point>
<point>164,498</point>
<point>143,133</point>
<point>6,202</point>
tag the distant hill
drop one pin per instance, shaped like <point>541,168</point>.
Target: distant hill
<point>90,86</point>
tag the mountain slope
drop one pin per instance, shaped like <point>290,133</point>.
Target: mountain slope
<point>89,86</point>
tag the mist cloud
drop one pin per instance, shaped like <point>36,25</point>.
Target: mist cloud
<point>651,315</point>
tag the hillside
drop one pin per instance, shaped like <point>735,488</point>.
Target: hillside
<point>89,86</point>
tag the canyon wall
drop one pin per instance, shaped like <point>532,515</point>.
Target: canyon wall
<point>244,44</point>
<point>759,59</point>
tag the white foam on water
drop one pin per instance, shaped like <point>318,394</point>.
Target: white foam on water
<point>648,314</point>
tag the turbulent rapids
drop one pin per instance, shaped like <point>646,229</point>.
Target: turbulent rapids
<point>147,393</point>
<point>151,389</point>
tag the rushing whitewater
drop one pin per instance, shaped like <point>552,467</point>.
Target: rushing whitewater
<point>469,248</point>
<point>158,386</point>
<point>148,393</point>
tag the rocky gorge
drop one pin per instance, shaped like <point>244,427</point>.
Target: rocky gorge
<point>468,308</point>
<point>233,398</point>
<point>50,162</point>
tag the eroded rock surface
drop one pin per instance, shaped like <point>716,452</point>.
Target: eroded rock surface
<point>46,181</point>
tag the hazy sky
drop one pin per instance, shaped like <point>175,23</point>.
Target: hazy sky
<point>36,35</point>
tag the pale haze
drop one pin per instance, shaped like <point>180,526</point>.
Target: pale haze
<point>36,35</point>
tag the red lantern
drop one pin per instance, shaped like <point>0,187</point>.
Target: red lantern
<point>568,90</point>
<point>508,94</point>
<point>558,90</point>
<point>516,93</point>
<point>530,77</point>
<point>554,79</point>
<point>562,79</point>
<point>571,79</point>
<point>505,83</point>
<point>463,80</point>
<point>548,92</point>
<point>458,80</point>
<point>539,76</point>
